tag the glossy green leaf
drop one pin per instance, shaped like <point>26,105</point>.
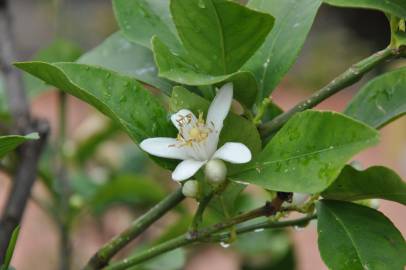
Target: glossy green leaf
<point>120,55</point>
<point>59,50</point>
<point>9,143</point>
<point>272,111</point>
<point>10,249</point>
<point>126,189</point>
<point>140,20</point>
<point>247,132</point>
<point>282,46</point>
<point>375,182</point>
<point>176,69</point>
<point>308,153</point>
<point>357,237</point>
<point>219,36</point>
<point>121,98</point>
<point>395,7</point>
<point>381,100</point>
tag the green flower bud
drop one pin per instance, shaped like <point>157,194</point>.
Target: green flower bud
<point>215,171</point>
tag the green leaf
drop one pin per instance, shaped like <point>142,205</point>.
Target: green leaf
<point>175,69</point>
<point>247,132</point>
<point>282,46</point>
<point>357,237</point>
<point>271,111</point>
<point>224,204</point>
<point>10,249</point>
<point>59,50</point>
<point>381,100</point>
<point>120,55</point>
<point>308,153</point>
<point>119,97</point>
<point>219,36</point>
<point>126,189</point>
<point>140,20</point>
<point>395,7</point>
<point>9,143</point>
<point>375,182</point>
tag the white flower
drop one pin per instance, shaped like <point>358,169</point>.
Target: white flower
<point>197,141</point>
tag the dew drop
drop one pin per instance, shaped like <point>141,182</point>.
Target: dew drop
<point>224,245</point>
<point>201,4</point>
<point>298,228</point>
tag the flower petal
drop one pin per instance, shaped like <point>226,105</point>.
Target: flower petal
<point>163,147</point>
<point>220,106</point>
<point>234,153</point>
<point>182,114</point>
<point>186,169</point>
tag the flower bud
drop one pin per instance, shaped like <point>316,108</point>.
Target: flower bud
<point>215,171</point>
<point>191,189</point>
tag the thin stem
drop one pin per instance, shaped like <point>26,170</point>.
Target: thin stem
<point>349,77</point>
<point>198,217</point>
<point>265,225</point>
<point>270,208</point>
<point>102,257</point>
<point>261,111</point>
<point>64,189</point>
<point>183,240</point>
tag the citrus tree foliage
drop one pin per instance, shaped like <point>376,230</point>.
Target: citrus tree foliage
<point>189,51</point>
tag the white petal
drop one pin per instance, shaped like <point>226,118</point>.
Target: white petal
<point>186,169</point>
<point>176,117</point>
<point>220,106</point>
<point>234,153</point>
<point>163,147</point>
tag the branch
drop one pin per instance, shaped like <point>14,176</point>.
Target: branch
<point>349,77</point>
<point>269,209</point>
<point>17,100</point>
<point>30,152</point>
<point>265,225</point>
<point>102,257</point>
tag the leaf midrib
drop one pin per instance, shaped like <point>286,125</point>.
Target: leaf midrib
<point>338,219</point>
<point>268,163</point>
<point>373,194</point>
<point>221,34</point>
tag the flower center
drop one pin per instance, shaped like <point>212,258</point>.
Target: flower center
<point>192,130</point>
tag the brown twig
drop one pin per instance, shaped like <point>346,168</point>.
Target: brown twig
<point>30,152</point>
